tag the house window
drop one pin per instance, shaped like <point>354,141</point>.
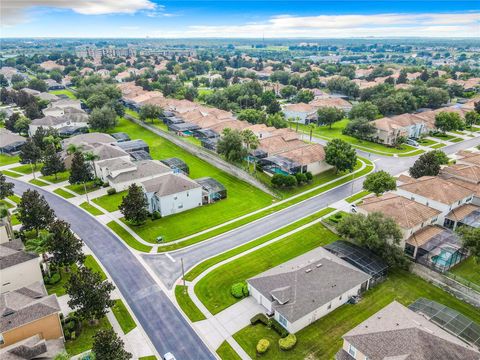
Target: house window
<point>282,320</point>
<point>180,206</point>
<point>351,350</point>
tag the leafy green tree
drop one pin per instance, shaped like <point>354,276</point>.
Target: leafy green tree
<point>150,112</point>
<point>364,109</point>
<point>6,188</point>
<point>34,212</point>
<point>273,107</point>
<point>231,146</point>
<point>52,163</point>
<point>377,233</point>
<point>448,121</point>
<point>80,171</point>
<point>304,96</point>
<point>30,153</point>
<point>251,142</point>
<point>103,119</point>
<point>252,116</point>
<point>97,101</point>
<point>134,205</point>
<point>341,155</point>
<point>442,158</point>
<point>379,182</point>
<point>108,346</point>
<point>277,120</point>
<point>402,77</point>
<point>328,115</point>
<point>65,247</point>
<point>436,97</point>
<point>22,124</point>
<point>89,294</point>
<point>472,118</point>
<point>426,165</point>
<point>471,240</point>
<point>37,84</point>
<point>288,91</point>
<point>283,181</point>
<point>359,128</point>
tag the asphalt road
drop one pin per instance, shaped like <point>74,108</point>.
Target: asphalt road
<point>169,271</point>
<point>166,327</point>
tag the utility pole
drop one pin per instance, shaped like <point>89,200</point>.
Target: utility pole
<point>86,193</point>
<point>183,277</point>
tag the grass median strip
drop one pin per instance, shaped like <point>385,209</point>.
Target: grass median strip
<point>80,188</point>
<point>38,182</point>
<point>63,176</point>
<point>200,268</point>
<point>15,198</point>
<point>91,209</point>
<point>84,341</point>
<point>127,237</point>
<point>27,168</point>
<point>213,290</point>
<point>63,193</point>
<point>357,196</point>
<point>226,352</point>
<point>187,305</point>
<point>11,174</point>
<point>123,316</point>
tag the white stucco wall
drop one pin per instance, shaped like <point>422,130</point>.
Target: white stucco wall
<point>20,275</point>
<point>182,201</point>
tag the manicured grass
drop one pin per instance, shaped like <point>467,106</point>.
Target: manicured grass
<point>443,136</point>
<point>63,176</point>
<point>27,168</point>
<point>456,140</point>
<point>335,132</point>
<point>11,174</point>
<point>334,219</point>
<point>123,316</point>
<point>187,223</point>
<point>357,196</point>
<point>129,239</point>
<point>427,142</point>
<point>38,182</point>
<point>7,204</point>
<point>14,220</point>
<point>15,198</point>
<point>416,152</point>
<point>110,202</point>
<point>469,270</point>
<point>7,159</point>
<point>84,341</point>
<point>63,193</point>
<point>80,188</point>
<point>213,290</point>
<point>91,209</point>
<point>67,92</point>
<point>438,146</point>
<point>323,338</point>
<point>151,357</point>
<point>187,305</point>
<point>200,268</point>
<point>226,352</point>
<point>93,265</point>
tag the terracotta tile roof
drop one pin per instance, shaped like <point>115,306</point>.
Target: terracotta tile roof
<point>467,184</point>
<point>331,102</point>
<point>277,144</point>
<point>305,155</point>
<point>424,235</point>
<point>300,107</point>
<point>462,212</point>
<point>397,122</point>
<point>435,188</point>
<point>468,172</point>
<point>406,213</point>
<point>470,157</point>
<point>405,179</point>
<point>229,124</point>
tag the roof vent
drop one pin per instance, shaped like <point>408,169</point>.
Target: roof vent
<point>319,265</point>
<point>308,270</point>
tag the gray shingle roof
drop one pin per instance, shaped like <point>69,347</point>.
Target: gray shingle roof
<point>145,168</point>
<point>169,184</point>
<point>7,137</point>
<point>12,253</point>
<point>306,283</point>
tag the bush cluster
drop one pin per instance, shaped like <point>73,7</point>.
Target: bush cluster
<point>290,181</point>
<point>71,327</point>
<point>239,290</point>
<point>262,346</point>
<point>288,342</point>
<point>53,279</point>
<point>260,318</point>
<point>111,191</point>
<point>156,215</point>
<point>278,328</point>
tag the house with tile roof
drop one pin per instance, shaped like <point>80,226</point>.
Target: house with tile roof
<point>390,129</point>
<point>301,112</point>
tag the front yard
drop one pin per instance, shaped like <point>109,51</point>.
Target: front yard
<point>322,339</point>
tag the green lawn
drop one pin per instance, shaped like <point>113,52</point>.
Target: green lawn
<point>442,136</point>
<point>84,341</point>
<point>15,198</point>
<point>63,193</point>
<point>8,159</point>
<point>438,146</point>
<point>11,174</point>
<point>427,142</point>
<point>187,305</point>
<point>38,182</point>
<point>469,270</point>
<point>150,357</point>
<point>14,220</point>
<point>27,168</point>
<point>93,265</point>
<point>357,196</point>
<point>322,339</point>
<point>127,237</point>
<point>187,223</point>
<point>63,176</point>
<point>7,204</point>
<point>200,268</point>
<point>123,316</point>
<point>67,92</point>
<point>213,290</point>
<point>91,209</point>
<point>335,132</point>
<point>80,188</point>
<point>226,352</point>
<point>456,140</point>
<point>110,202</point>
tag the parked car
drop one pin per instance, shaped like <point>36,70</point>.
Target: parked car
<point>169,356</point>
<point>412,142</point>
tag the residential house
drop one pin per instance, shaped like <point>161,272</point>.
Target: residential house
<point>301,112</point>
<point>306,288</point>
<point>390,129</point>
<point>51,65</point>
<point>171,194</point>
<point>33,348</point>
<point>336,102</point>
<point>10,143</point>
<point>19,268</point>
<point>6,230</point>
<point>396,332</point>
<point>53,85</point>
<point>87,139</point>
<point>62,106</point>
<point>29,311</point>
<point>466,175</point>
<point>75,121</point>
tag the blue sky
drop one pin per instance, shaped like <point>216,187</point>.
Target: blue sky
<point>252,19</point>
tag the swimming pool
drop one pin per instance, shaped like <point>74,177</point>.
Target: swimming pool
<point>448,257</point>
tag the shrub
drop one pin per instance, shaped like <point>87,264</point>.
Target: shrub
<point>288,342</point>
<point>301,178</point>
<point>237,290</point>
<point>105,184</point>
<point>338,215</point>
<point>278,328</point>
<point>54,279</point>
<point>259,318</point>
<point>262,346</point>
<point>309,176</point>
<point>245,290</point>
<point>69,325</point>
<point>111,191</point>
<point>66,333</point>
<point>98,182</point>
<point>72,335</point>
<point>156,215</point>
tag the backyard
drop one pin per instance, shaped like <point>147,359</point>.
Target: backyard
<point>469,270</point>
<point>322,339</point>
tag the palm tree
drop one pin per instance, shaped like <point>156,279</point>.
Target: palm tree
<point>251,142</point>
<point>39,245</point>
<point>311,126</point>
<point>91,157</point>
<point>72,148</point>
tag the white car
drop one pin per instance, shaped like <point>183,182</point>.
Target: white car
<point>169,356</point>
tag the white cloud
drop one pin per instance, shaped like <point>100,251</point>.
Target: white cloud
<point>323,26</point>
<point>13,11</point>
